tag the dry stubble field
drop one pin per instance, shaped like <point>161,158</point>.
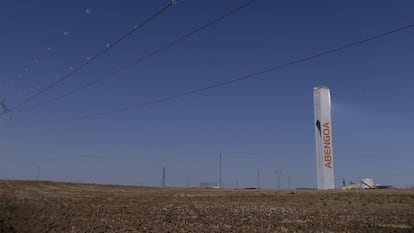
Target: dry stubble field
<point>66,207</point>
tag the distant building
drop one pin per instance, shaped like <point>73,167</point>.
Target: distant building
<point>209,185</point>
<point>366,183</point>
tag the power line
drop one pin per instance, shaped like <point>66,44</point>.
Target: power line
<point>101,52</point>
<point>31,151</point>
<point>245,77</point>
<point>176,41</point>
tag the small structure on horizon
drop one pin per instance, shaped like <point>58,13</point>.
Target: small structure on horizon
<point>209,185</point>
<point>366,183</point>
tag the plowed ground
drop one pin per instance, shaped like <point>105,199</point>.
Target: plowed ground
<point>66,207</point>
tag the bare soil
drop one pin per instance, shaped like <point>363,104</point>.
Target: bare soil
<point>67,207</point>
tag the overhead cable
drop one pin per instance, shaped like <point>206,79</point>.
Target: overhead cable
<point>137,61</point>
<point>241,78</point>
<point>96,56</point>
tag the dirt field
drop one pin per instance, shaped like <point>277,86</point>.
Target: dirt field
<point>66,207</point>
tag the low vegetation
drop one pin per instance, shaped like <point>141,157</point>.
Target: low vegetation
<point>66,207</point>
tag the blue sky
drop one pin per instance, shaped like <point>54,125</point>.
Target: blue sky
<point>262,124</point>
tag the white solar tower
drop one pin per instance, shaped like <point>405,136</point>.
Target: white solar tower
<point>323,138</point>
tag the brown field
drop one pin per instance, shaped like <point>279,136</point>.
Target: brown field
<point>67,207</point>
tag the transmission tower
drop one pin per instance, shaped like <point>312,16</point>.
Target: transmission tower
<point>278,173</point>
<point>220,172</point>
<point>38,173</point>
<point>163,178</point>
<point>5,108</point>
<point>289,182</point>
<point>187,181</point>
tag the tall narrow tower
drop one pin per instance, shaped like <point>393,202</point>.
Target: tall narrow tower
<point>38,172</point>
<point>323,137</point>
<point>163,178</point>
<point>278,173</point>
<point>220,184</point>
